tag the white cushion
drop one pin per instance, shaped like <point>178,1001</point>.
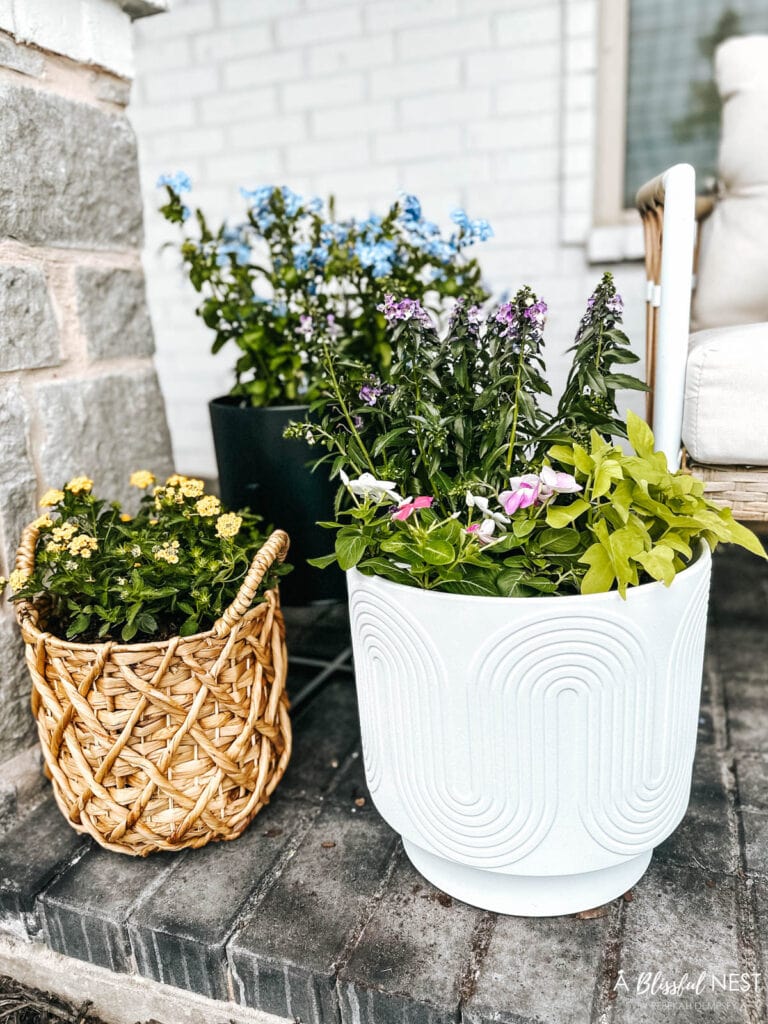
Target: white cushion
<point>733,265</point>
<point>726,396</point>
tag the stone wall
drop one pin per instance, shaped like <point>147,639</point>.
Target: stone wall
<point>78,389</point>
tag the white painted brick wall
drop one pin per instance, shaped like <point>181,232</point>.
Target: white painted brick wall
<point>484,103</point>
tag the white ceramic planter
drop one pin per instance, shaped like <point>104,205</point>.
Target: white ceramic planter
<point>530,751</point>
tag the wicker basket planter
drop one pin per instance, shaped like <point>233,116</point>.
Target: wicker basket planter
<point>172,743</point>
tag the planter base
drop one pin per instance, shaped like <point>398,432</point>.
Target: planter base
<point>528,895</point>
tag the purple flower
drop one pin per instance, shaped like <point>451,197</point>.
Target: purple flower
<point>506,317</point>
<point>333,328</point>
<point>306,325</point>
<point>405,309</point>
<point>536,313</point>
<point>615,304</point>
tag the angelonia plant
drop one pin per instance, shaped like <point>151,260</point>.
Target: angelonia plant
<point>173,568</point>
<point>290,264</point>
<point>459,480</point>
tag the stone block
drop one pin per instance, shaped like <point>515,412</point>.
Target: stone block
<point>20,58</point>
<point>325,733</point>
<point>105,427</point>
<point>17,475</point>
<point>28,334</point>
<point>410,961</point>
<point>17,727</point>
<point>681,925</point>
<point>284,959</point>
<point>68,173</point>
<point>85,911</point>
<point>703,837</point>
<point>538,969</point>
<point>178,929</point>
<point>113,312</point>
<point>31,855</point>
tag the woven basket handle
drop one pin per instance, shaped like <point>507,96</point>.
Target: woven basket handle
<point>25,561</point>
<point>275,548</point>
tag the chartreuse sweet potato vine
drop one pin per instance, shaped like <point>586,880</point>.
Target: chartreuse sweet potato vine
<point>461,482</point>
<point>101,574</point>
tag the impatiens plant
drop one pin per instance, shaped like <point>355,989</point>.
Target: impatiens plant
<point>102,574</point>
<point>269,283</point>
<point>460,481</point>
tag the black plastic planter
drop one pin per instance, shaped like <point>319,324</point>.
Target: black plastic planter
<point>261,470</point>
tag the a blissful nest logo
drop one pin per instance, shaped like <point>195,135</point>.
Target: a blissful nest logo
<point>657,983</point>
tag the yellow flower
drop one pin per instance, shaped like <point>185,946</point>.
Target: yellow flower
<point>228,524</point>
<point>3,583</point>
<point>43,522</point>
<point>79,483</point>
<point>175,480</point>
<point>208,506</point>
<point>142,479</point>
<point>64,532</point>
<point>192,488</point>
<point>167,552</point>
<point>53,548</point>
<point>52,497</point>
<point>17,579</point>
<point>82,545</point>
<point>125,518</point>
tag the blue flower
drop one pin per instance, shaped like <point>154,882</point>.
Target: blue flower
<point>258,197</point>
<point>301,253</point>
<point>314,205</point>
<point>305,256</point>
<point>411,209</point>
<point>186,213</point>
<point>179,182</point>
<point>481,230</point>
<point>292,200</point>
<point>459,216</point>
<point>378,257</point>
<point>234,244</point>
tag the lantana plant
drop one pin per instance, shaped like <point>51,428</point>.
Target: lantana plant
<point>291,268</point>
<point>173,568</point>
<point>460,480</point>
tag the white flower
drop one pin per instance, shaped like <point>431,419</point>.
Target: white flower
<point>481,503</point>
<point>367,486</point>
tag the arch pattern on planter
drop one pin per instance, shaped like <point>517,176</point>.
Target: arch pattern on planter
<point>625,737</point>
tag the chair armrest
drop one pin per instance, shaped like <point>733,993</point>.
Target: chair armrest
<point>667,208</point>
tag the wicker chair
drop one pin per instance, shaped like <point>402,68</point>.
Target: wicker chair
<point>722,437</point>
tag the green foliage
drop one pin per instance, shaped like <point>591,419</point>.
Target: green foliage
<point>632,521</point>
<point>269,282</point>
<point>462,413</point>
<point>173,568</point>
<point>465,409</point>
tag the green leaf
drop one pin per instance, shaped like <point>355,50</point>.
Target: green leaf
<point>658,563</point>
<point>474,588</point>
<point>435,551</point>
<point>600,576</point>
<point>640,435</point>
<point>559,541</point>
<point>322,561</point>
<point>350,548</point>
<point>561,515</point>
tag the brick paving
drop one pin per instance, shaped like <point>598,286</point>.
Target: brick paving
<point>316,915</point>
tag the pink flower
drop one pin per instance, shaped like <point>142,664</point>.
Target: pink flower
<point>483,531</point>
<point>407,507</point>
<point>553,482</point>
<point>523,492</point>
